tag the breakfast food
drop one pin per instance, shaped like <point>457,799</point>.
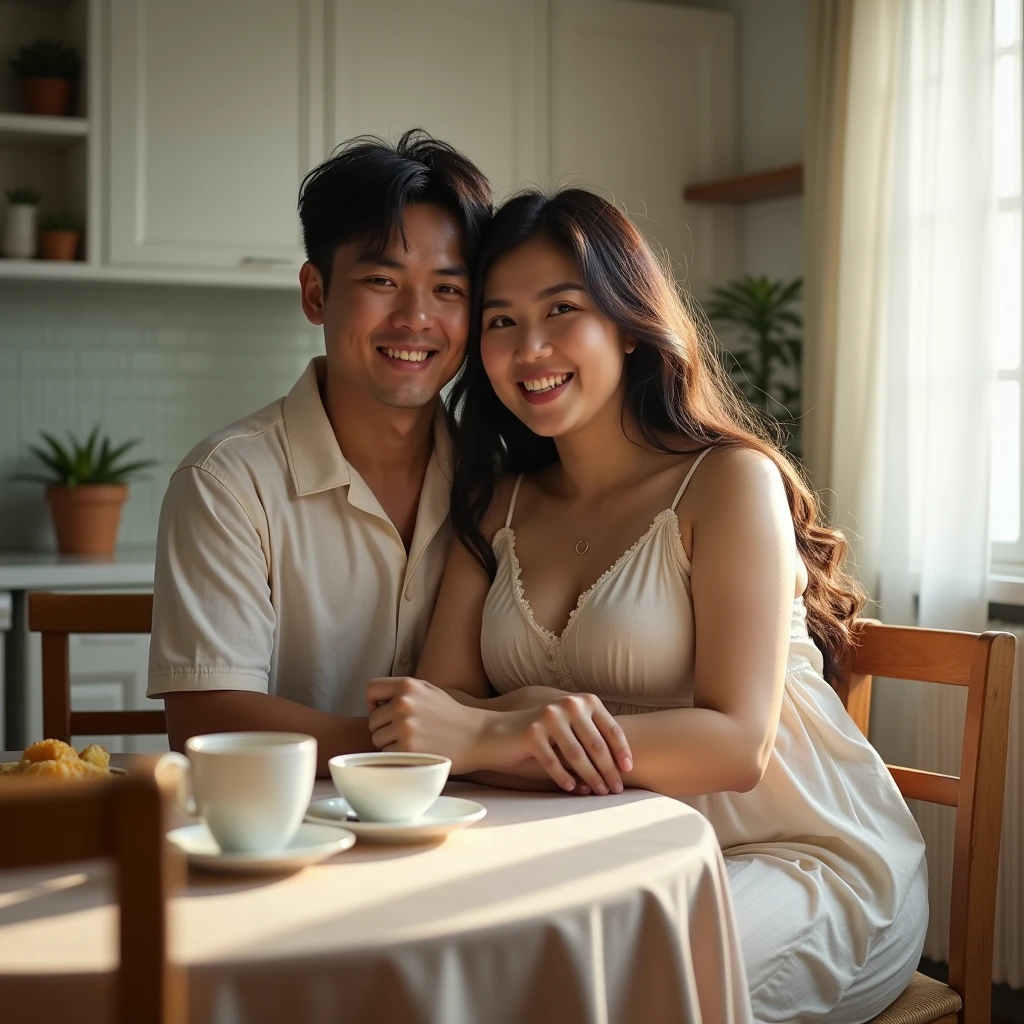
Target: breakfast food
<point>59,760</point>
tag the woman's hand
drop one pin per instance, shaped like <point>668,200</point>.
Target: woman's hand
<point>572,734</point>
<point>413,715</point>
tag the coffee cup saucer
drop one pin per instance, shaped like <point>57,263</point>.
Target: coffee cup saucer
<point>310,845</point>
<point>446,815</point>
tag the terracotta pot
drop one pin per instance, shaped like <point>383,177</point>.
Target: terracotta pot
<point>50,96</point>
<point>59,245</point>
<point>86,517</point>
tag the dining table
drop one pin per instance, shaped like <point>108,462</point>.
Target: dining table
<point>553,907</point>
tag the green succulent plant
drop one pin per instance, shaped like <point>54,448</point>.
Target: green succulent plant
<point>23,197</point>
<point>96,461</point>
<point>767,353</point>
<point>58,220</point>
<point>46,58</point>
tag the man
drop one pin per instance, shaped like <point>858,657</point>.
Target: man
<point>300,550</point>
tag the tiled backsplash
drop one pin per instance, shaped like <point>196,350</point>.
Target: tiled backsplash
<point>168,365</point>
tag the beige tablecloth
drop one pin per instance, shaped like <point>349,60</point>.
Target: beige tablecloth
<point>553,908</point>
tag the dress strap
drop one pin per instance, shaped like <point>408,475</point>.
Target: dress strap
<point>512,502</point>
<point>696,463</point>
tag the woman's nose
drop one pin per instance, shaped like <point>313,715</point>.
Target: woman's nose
<point>532,346</point>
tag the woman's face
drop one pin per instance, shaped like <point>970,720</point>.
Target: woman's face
<point>552,357</point>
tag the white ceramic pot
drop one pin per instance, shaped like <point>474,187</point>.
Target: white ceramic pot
<point>20,231</point>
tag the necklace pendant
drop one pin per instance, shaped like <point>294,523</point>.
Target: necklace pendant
<point>582,546</point>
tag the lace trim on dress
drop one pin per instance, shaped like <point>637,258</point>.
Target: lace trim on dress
<point>554,643</point>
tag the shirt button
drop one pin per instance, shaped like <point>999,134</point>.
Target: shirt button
<point>403,658</point>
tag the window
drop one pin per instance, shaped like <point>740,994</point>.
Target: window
<point>1008,284</point>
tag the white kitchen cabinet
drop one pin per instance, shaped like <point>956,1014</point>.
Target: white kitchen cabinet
<point>215,114</point>
<point>472,72</point>
<point>642,100</point>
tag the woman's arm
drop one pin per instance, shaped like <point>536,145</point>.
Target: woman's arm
<point>456,715</point>
<point>743,582</point>
<point>451,656</point>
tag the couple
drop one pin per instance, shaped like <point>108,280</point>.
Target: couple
<point>637,592</point>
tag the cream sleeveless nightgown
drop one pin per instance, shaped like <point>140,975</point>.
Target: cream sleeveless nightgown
<point>826,864</point>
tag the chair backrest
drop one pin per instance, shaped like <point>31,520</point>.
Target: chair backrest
<point>123,819</point>
<point>58,616</point>
<point>984,664</point>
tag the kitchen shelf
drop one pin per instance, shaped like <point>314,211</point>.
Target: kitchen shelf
<point>80,270</point>
<point>42,130</point>
<point>749,188</point>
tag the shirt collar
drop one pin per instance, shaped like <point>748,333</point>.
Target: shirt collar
<point>315,457</point>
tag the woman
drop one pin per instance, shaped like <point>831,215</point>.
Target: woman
<point>595,421</point>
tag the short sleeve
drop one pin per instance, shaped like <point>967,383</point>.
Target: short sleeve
<point>213,619</point>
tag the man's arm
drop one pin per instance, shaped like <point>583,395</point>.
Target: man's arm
<point>193,712</point>
<point>214,621</point>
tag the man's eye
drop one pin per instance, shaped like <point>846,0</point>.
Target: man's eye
<point>385,281</point>
<point>449,289</point>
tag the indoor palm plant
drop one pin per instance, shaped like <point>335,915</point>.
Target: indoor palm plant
<point>47,71</point>
<point>86,487</point>
<point>764,356</point>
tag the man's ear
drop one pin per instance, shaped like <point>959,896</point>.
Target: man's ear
<point>313,296</point>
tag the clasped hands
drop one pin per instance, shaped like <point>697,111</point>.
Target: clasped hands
<point>569,737</point>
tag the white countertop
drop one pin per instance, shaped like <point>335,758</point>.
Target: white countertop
<point>27,570</point>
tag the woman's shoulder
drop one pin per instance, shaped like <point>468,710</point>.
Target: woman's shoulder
<point>735,474</point>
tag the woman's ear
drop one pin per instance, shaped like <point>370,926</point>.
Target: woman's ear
<point>629,344</point>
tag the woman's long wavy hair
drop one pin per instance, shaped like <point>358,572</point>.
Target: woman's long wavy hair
<point>678,396</point>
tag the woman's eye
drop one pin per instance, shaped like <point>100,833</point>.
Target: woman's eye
<point>562,307</point>
<point>501,321</point>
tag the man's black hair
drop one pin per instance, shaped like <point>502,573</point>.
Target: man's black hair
<point>361,192</point>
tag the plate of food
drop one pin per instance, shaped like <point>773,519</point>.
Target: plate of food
<point>56,759</point>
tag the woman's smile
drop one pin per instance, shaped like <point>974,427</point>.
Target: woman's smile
<point>541,390</point>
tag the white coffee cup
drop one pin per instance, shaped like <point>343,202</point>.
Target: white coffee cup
<point>251,789</point>
<point>389,787</point>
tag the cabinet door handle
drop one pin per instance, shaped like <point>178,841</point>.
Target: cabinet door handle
<point>266,261</point>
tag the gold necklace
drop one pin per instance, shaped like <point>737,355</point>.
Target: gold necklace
<point>583,544</point>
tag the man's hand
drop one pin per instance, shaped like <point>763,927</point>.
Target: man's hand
<point>414,715</point>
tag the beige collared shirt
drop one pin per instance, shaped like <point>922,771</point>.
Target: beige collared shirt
<point>278,571</point>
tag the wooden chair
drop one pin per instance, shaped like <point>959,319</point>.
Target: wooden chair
<point>124,819</point>
<point>984,664</point>
<point>57,616</point>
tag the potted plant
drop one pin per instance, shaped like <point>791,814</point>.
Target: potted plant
<point>47,71</point>
<point>765,356</point>
<point>85,489</point>
<point>58,235</point>
<point>20,224</point>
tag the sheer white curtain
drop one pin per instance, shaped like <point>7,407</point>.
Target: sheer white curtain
<point>940,367</point>
<point>939,374</point>
<point>904,387</point>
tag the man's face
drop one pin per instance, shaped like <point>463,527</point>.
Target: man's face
<point>396,323</point>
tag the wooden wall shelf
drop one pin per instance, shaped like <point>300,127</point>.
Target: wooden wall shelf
<point>749,188</point>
